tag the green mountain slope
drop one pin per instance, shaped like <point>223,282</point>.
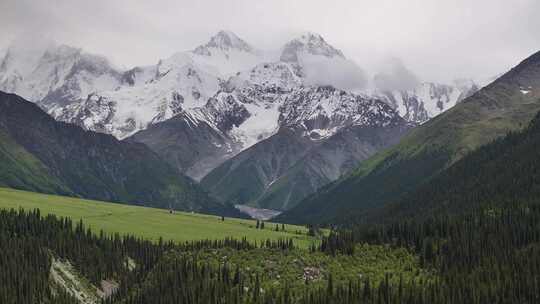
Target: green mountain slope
<point>504,172</point>
<point>41,154</point>
<point>507,104</point>
<point>22,170</point>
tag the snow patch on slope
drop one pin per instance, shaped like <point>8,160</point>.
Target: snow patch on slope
<point>525,91</point>
<point>261,124</point>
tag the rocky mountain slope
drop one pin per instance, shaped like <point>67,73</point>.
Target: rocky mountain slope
<point>328,161</point>
<point>189,142</point>
<point>308,124</point>
<point>323,132</point>
<point>253,105</point>
<point>249,107</point>
<point>43,155</point>
<point>507,104</point>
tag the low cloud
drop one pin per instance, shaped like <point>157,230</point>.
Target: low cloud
<point>337,72</point>
<point>395,76</point>
<point>28,49</point>
<point>439,40</point>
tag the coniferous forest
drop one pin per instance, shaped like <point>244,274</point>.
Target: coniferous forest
<point>486,256</point>
<point>477,225</point>
<point>481,246</point>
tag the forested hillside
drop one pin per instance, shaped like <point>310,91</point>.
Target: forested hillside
<point>66,262</point>
<point>502,173</point>
<point>484,256</point>
<point>477,224</point>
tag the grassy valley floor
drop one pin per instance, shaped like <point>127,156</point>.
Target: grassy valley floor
<point>149,223</point>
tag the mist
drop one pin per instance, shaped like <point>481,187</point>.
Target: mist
<point>340,73</point>
<point>395,76</point>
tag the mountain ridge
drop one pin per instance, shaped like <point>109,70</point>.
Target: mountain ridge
<point>233,91</point>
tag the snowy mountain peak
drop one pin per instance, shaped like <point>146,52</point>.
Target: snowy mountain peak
<point>308,43</point>
<point>306,37</point>
<point>224,41</point>
<point>60,52</point>
<point>55,75</point>
<point>227,54</point>
<point>273,74</point>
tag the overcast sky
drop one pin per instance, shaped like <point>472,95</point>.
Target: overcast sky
<point>437,39</point>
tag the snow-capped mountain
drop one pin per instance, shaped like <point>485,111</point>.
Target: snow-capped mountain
<point>85,89</point>
<point>428,99</point>
<point>320,63</point>
<point>228,54</point>
<point>55,76</point>
<point>158,93</point>
<point>225,95</point>
<point>308,44</point>
<point>153,94</point>
<point>418,101</point>
<point>322,111</point>
<point>322,133</point>
<point>255,104</point>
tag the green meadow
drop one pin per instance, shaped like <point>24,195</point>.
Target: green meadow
<point>149,223</point>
